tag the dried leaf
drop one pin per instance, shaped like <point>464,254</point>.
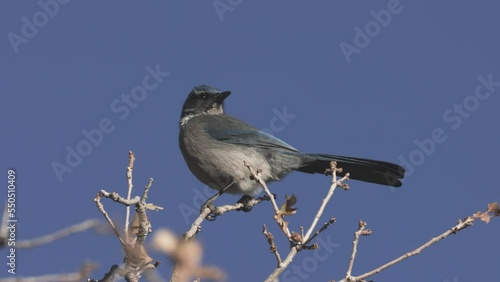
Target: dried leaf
<point>287,208</point>
<point>494,208</point>
<point>136,254</point>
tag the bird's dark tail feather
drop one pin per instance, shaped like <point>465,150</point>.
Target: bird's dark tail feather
<point>360,169</point>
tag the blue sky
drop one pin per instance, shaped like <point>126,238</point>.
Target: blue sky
<point>411,86</point>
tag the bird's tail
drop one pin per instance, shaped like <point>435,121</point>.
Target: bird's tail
<point>360,169</point>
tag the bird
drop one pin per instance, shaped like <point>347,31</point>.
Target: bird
<point>215,147</point>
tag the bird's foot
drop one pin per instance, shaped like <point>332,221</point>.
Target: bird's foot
<point>247,203</point>
<point>210,205</point>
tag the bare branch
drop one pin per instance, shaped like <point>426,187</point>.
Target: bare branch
<point>458,227</point>
<point>323,228</point>
<point>196,225</point>
<point>272,245</point>
<point>335,183</point>
<point>256,176</point>
<point>130,168</point>
<point>306,238</point>
<point>77,276</point>
<point>49,238</point>
<point>136,259</point>
<point>360,232</point>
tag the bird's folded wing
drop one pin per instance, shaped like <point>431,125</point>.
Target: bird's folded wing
<point>249,137</point>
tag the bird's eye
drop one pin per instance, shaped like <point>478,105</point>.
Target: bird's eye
<point>204,96</point>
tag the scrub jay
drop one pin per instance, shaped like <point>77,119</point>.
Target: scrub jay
<point>215,147</point>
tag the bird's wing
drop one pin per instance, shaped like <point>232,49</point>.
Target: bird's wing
<point>234,131</point>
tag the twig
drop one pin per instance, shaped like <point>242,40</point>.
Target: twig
<point>49,238</point>
<point>458,227</point>
<point>278,270</point>
<point>305,239</point>
<point>78,276</point>
<point>360,232</point>
<point>130,168</point>
<point>100,207</point>
<point>323,228</point>
<point>136,259</point>
<point>272,245</point>
<point>196,225</point>
<point>256,176</point>
<point>335,183</point>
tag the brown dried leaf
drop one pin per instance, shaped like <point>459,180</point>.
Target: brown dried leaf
<point>136,254</point>
<point>494,208</point>
<point>287,208</point>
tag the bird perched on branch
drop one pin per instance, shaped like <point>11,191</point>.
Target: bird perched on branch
<point>215,147</point>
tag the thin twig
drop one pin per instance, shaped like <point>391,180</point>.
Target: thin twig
<point>360,232</point>
<point>256,176</point>
<point>333,186</point>
<point>196,225</point>
<point>77,276</point>
<point>323,228</point>
<point>458,227</point>
<point>130,168</point>
<point>272,245</point>
<point>293,252</point>
<point>49,238</point>
<point>278,270</point>
<point>100,207</point>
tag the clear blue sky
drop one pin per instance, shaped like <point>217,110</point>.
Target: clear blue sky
<point>352,81</point>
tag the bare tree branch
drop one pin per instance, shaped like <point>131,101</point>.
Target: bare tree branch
<point>306,238</point>
<point>136,259</point>
<point>85,270</point>
<point>272,245</point>
<point>130,168</point>
<point>360,232</point>
<point>492,211</point>
<point>49,238</point>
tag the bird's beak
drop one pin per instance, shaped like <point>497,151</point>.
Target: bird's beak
<point>222,96</point>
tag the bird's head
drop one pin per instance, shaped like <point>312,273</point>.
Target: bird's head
<point>204,99</point>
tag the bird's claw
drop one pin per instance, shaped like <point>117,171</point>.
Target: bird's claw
<point>213,210</point>
<point>247,203</point>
